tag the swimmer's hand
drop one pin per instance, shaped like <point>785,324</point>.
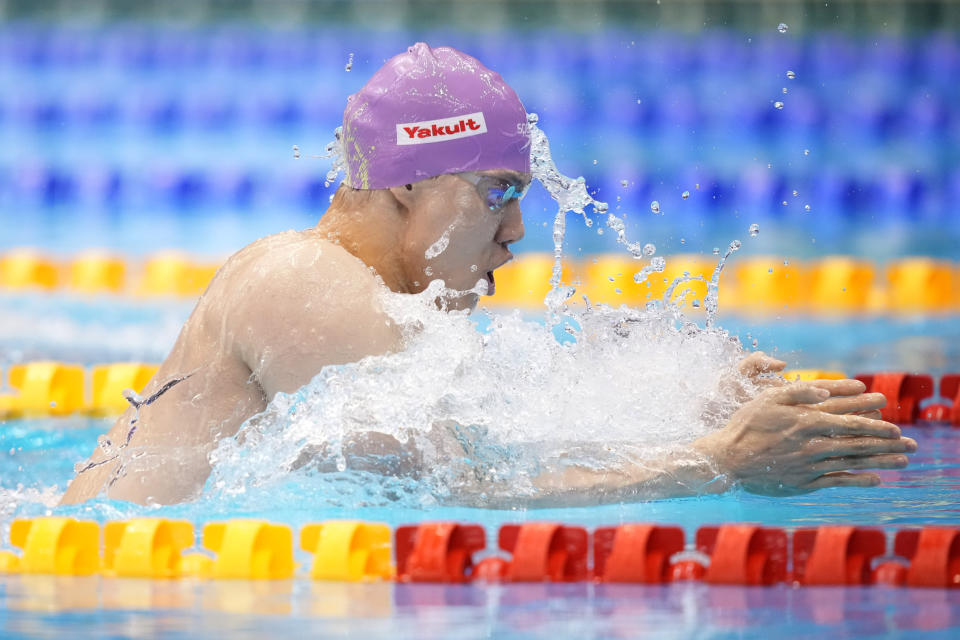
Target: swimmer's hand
<point>759,371</point>
<point>799,437</point>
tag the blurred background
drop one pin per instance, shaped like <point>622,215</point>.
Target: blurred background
<point>135,125</point>
<point>138,128</point>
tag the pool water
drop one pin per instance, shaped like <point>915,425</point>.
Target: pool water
<point>37,458</point>
<point>49,607</point>
<point>135,137</point>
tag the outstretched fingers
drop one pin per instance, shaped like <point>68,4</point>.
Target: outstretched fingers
<point>844,463</point>
<point>854,404</point>
<point>860,446</point>
<point>843,479</point>
<point>832,425</point>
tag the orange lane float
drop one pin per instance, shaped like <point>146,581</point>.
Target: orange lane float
<point>635,552</point>
<point>950,388</point>
<point>437,551</point>
<point>544,552</point>
<point>903,391</point>
<point>836,555</point>
<point>934,555</point>
<point>744,554</point>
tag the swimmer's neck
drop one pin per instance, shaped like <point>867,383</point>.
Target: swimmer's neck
<point>373,234</point>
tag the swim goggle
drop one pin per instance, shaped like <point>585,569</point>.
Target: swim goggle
<point>496,191</point>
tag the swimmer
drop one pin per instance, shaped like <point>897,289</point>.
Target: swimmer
<point>435,146</point>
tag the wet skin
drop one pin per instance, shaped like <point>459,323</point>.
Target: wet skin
<point>287,305</point>
<point>284,307</point>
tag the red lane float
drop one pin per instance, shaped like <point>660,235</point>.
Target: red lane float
<point>836,555</point>
<point>934,554</point>
<point>903,391</point>
<point>443,552</point>
<point>950,389</point>
<point>635,552</point>
<point>744,554</point>
<point>437,551</point>
<point>544,552</point>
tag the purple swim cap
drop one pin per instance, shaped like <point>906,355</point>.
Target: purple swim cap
<point>428,112</point>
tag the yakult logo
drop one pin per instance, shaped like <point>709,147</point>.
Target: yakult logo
<point>471,124</point>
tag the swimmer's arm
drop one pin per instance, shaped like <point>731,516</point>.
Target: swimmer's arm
<point>679,474</point>
<point>313,309</point>
<point>789,440</point>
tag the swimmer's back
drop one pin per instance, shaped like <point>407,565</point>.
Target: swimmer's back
<point>277,312</point>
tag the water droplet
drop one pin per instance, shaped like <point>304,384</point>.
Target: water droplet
<point>428,270</point>
<point>778,105</point>
<point>618,291</point>
<point>806,152</point>
<point>795,193</point>
<point>600,207</point>
<point>791,75</point>
<point>649,249</point>
<point>735,245</point>
<point>296,151</point>
<point>473,268</point>
<point>683,241</point>
<point>754,230</point>
<point>533,118</point>
<point>786,262</point>
<point>599,231</point>
<point>784,203</point>
<point>610,278</point>
<point>782,27</point>
<point>639,101</point>
<point>349,65</point>
<point>624,183</point>
<point>658,264</point>
<point>716,251</point>
<point>655,206</point>
<point>695,303</point>
<point>770,270</point>
<point>806,207</point>
<point>755,343</point>
<point>685,195</point>
<point>594,161</point>
<point>784,90</point>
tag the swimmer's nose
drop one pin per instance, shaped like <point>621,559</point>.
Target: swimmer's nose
<point>511,227</point>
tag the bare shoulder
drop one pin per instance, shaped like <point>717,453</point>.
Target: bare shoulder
<point>293,303</point>
<point>295,261</point>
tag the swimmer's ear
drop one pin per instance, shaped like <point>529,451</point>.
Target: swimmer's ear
<point>404,195</point>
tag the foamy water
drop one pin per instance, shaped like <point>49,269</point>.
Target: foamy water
<point>464,416</point>
<point>460,416</point>
<point>477,416</point>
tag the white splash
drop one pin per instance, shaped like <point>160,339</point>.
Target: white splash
<point>472,416</point>
<point>440,245</point>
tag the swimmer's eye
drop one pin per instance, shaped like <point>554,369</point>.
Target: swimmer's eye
<point>496,192</point>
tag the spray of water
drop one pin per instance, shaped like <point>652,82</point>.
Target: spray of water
<point>467,416</point>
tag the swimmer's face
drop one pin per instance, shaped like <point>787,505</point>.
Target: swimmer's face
<point>477,237</point>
